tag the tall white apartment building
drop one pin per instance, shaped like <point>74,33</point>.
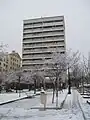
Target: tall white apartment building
<point>41,37</point>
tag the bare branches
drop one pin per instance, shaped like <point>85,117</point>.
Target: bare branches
<point>3,50</point>
<point>72,58</point>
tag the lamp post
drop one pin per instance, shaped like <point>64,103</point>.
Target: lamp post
<point>69,82</point>
<point>19,86</point>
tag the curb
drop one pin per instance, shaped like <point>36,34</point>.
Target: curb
<point>84,116</point>
<point>47,108</point>
<point>82,110</point>
<point>62,103</point>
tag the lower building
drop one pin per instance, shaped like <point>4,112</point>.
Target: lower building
<point>10,62</point>
<point>14,61</point>
<point>4,63</point>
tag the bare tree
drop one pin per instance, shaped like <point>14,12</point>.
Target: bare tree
<point>56,67</point>
<point>59,64</point>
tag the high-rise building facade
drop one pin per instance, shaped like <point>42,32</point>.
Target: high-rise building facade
<point>42,37</point>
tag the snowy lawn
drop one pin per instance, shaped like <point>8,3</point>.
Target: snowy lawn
<point>6,97</point>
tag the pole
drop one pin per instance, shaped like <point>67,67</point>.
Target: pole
<point>19,87</point>
<point>69,82</point>
<point>35,86</point>
<point>56,92</point>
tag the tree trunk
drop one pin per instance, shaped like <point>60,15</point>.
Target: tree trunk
<point>57,98</point>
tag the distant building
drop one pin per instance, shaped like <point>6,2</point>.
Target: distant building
<point>14,61</point>
<point>42,37</point>
<point>10,62</point>
<point>4,63</point>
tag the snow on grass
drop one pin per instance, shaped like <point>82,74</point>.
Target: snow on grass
<point>6,97</point>
<point>10,96</point>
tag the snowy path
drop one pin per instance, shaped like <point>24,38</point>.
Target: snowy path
<point>72,106</point>
<point>20,110</point>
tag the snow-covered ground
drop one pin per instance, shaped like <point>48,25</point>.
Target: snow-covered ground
<point>6,97</point>
<point>20,110</point>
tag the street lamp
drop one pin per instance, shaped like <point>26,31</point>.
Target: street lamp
<point>69,82</point>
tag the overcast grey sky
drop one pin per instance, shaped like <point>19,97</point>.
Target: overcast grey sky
<point>77,20</point>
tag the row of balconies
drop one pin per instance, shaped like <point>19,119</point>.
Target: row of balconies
<point>37,66</point>
<point>41,30</point>
<point>44,25</point>
<point>38,55</point>
<point>43,45</point>
<point>35,58</point>
<point>44,20</point>
<point>60,48</point>
<point>43,41</point>
<point>43,37</point>
<point>44,34</point>
<point>41,69</point>
<point>52,38</point>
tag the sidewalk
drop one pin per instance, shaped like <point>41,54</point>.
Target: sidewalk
<point>49,105</point>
